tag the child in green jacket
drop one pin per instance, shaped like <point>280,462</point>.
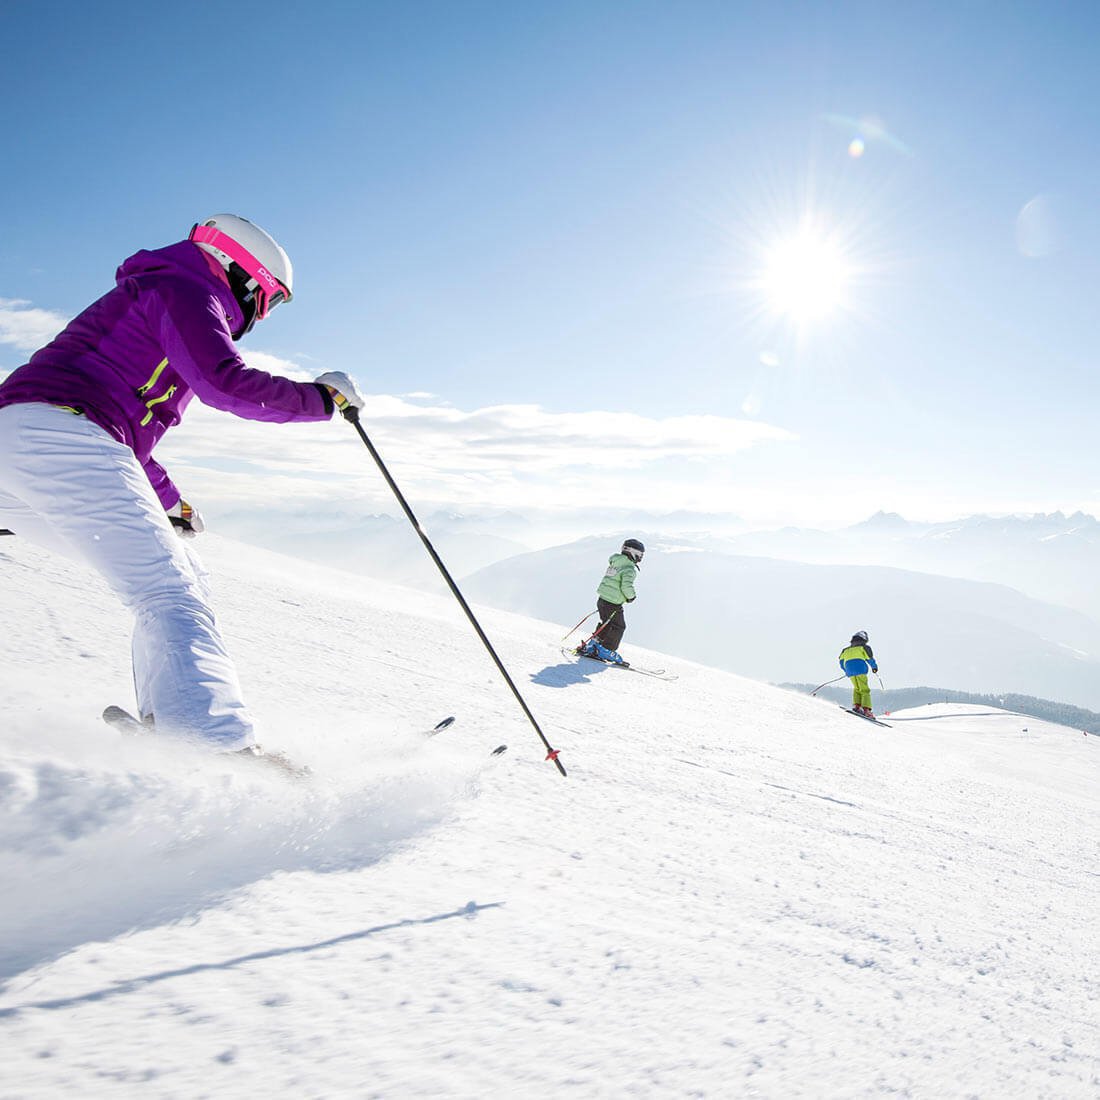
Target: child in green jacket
<point>615,591</point>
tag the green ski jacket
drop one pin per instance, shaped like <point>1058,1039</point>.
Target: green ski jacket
<point>617,585</point>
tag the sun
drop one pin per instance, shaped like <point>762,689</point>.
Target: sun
<point>805,276</point>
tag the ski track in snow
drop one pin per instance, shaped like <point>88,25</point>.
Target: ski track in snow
<point>736,891</point>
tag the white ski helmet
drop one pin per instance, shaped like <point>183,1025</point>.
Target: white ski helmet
<point>259,271</point>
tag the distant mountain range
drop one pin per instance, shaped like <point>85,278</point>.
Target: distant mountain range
<point>1052,557</point>
<point>381,546</point>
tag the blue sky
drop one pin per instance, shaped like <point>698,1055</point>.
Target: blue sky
<point>569,207</point>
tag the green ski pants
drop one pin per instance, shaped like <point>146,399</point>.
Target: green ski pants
<point>861,693</point>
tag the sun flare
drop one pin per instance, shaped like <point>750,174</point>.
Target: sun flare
<point>806,276</point>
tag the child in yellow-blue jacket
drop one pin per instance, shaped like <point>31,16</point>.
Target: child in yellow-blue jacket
<point>856,659</point>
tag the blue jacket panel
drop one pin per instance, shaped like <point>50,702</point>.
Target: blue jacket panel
<point>857,660</point>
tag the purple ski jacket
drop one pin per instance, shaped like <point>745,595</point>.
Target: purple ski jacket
<point>132,361</point>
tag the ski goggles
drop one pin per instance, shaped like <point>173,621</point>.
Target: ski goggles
<point>268,291</point>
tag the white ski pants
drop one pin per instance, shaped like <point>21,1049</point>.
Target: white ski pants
<point>67,485</point>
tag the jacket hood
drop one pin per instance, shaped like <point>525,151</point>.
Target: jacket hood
<point>184,259</point>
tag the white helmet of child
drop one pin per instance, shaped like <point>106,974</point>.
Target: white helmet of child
<point>258,267</point>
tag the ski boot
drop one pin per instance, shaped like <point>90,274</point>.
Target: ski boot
<point>611,656</point>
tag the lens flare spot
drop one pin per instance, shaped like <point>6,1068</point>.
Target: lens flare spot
<point>856,147</point>
<point>1037,228</point>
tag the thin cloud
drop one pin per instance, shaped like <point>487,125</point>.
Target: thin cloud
<point>275,364</point>
<point>27,328</point>
<point>555,439</point>
<point>496,456</point>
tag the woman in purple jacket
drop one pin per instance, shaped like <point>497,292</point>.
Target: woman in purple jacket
<point>78,425</point>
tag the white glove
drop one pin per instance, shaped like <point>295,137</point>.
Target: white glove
<point>186,520</point>
<point>342,388</point>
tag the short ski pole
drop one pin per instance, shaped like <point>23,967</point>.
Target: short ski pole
<point>581,623</point>
<point>826,684</point>
<point>880,683</point>
<point>600,629</point>
<point>351,414</point>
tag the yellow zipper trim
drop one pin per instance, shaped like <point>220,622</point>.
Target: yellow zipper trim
<point>153,378</point>
<point>156,401</point>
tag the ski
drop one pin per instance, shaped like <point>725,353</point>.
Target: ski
<point>866,718</point>
<point>124,721</point>
<point>446,724</point>
<point>658,673</point>
<point>439,727</point>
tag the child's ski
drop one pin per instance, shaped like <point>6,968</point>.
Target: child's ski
<point>867,717</point>
<point>659,673</point>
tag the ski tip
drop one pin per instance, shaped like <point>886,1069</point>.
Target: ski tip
<point>124,721</point>
<point>439,727</point>
<point>499,750</point>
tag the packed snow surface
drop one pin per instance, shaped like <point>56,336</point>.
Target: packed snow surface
<point>736,891</point>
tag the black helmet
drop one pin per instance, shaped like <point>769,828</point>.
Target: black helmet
<point>860,638</point>
<point>633,549</point>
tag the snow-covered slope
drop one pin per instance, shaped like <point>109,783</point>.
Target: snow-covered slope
<point>736,892</point>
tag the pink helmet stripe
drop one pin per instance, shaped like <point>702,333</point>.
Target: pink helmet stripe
<point>268,285</point>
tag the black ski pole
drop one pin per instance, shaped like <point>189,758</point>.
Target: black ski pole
<point>826,684</point>
<point>351,414</point>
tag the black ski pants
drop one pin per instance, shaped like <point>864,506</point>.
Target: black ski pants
<point>612,634</point>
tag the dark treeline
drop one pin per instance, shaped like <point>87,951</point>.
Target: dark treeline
<point>903,698</point>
